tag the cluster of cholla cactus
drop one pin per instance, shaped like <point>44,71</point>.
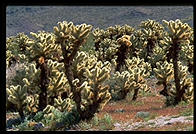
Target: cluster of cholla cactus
<point>16,48</point>
<point>140,43</point>
<point>112,33</point>
<point>165,75</point>
<point>58,76</point>
<point>106,44</point>
<point>134,79</point>
<point>107,50</point>
<point>152,33</point>
<point>31,88</point>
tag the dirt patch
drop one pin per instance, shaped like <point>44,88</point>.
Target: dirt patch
<point>124,111</point>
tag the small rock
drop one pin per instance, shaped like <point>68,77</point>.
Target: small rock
<point>150,121</point>
<point>117,124</point>
<point>142,114</point>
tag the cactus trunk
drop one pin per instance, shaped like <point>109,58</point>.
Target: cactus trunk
<point>70,78</point>
<point>21,112</point>
<point>122,52</point>
<point>176,77</point>
<point>43,101</point>
<point>150,46</point>
<point>135,94</point>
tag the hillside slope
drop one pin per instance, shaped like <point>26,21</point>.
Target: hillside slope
<point>33,18</point>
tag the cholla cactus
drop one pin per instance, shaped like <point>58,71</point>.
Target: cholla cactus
<point>16,49</point>
<point>96,78</point>
<point>151,38</point>
<point>152,32</point>
<point>70,38</point>
<point>138,44</point>
<point>153,25</point>
<point>186,54</point>
<point>44,46</point>
<point>31,81</point>
<point>32,78</point>
<point>123,50</point>
<point>18,42</point>
<point>120,84</point>
<point>99,35</point>
<point>164,72</point>
<point>165,75</point>
<point>131,80</point>
<point>89,94</point>
<point>158,54</point>
<point>48,112</point>
<point>9,57</point>
<point>63,104</point>
<point>136,62</point>
<point>107,50</point>
<point>17,96</point>
<point>112,33</point>
<point>106,41</point>
<point>178,30</point>
<point>93,94</point>
<point>58,84</point>
<point>139,82</point>
<point>139,70</point>
<point>61,78</point>
<point>113,43</point>
<point>118,31</point>
<point>79,65</point>
<point>186,83</point>
<point>179,33</point>
<point>19,79</point>
<point>32,102</point>
<point>68,34</point>
<point>15,75</point>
